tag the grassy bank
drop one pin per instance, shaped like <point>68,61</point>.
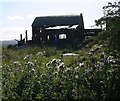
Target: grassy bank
<point>45,74</point>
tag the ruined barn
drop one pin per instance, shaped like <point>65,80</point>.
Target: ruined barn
<point>60,31</point>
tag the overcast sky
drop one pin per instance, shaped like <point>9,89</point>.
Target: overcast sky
<point>16,17</point>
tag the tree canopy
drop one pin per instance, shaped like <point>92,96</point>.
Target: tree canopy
<point>111,16</point>
<point>111,21</point>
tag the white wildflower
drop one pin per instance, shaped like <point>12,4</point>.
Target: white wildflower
<point>39,82</point>
<point>81,64</point>
<point>76,76</point>
<point>27,57</point>
<point>22,70</point>
<point>100,46</point>
<point>48,64</point>
<point>40,53</point>
<point>101,63</point>
<point>111,59</point>
<point>92,50</point>
<point>58,61</point>
<point>56,73</point>
<point>90,53</point>
<point>101,82</point>
<point>31,64</point>
<point>67,70</point>
<point>16,62</point>
<point>33,70</point>
<point>103,53</point>
<point>61,65</point>
<point>43,75</point>
<point>76,68</point>
<point>53,61</point>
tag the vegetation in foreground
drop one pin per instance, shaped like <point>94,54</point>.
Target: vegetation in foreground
<point>92,73</point>
<point>44,74</point>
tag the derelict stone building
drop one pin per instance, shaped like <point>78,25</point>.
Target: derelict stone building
<point>59,31</point>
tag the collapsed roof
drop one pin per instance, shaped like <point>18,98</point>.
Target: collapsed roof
<point>52,21</point>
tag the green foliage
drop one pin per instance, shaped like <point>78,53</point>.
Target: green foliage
<point>29,78</point>
<point>111,35</point>
<point>38,73</point>
<point>111,15</point>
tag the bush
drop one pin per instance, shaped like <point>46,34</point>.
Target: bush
<point>31,79</point>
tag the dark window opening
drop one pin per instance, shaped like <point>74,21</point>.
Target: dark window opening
<point>40,38</point>
<point>90,32</point>
<point>40,30</point>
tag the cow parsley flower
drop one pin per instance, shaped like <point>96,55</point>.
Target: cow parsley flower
<point>56,73</point>
<point>43,75</point>
<point>81,64</point>
<point>30,64</point>
<point>16,62</point>
<point>27,57</point>
<point>40,54</point>
<point>33,70</point>
<point>76,76</point>
<point>67,70</point>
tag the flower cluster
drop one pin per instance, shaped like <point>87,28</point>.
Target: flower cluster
<point>54,77</point>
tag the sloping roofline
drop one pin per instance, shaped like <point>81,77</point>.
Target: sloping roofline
<point>51,21</point>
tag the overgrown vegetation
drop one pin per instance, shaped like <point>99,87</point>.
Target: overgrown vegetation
<point>31,74</point>
<point>91,74</point>
<point>111,21</point>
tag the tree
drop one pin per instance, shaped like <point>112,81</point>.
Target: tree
<point>111,16</point>
<point>111,21</point>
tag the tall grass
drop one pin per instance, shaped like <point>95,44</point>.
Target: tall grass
<point>31,74</point>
